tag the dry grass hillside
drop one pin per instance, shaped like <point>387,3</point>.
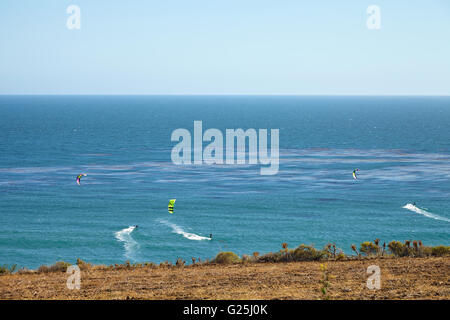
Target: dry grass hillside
<point>401,278</point>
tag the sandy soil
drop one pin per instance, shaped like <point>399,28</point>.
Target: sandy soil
<point>402,278</point>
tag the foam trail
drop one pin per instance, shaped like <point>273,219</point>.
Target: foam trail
<point>413,208</point>
<point>179,230</point>
<point>130,244</point>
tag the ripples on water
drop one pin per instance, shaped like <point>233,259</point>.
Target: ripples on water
<point>124,147</point>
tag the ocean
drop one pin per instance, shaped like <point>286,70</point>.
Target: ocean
<point>401,145</point>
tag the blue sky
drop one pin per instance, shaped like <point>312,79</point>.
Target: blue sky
<point>225,47</point>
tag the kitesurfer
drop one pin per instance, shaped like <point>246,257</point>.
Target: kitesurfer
<point>79,178</point>
<point>171,205</point>
<point>354,174</point>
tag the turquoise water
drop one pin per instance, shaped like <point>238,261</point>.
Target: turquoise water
<point>400,144</point>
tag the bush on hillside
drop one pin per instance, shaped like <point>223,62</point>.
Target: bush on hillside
<point>60,266</point>
<point>368,248</point>
<point>440,251</point>
<point>226,258</point>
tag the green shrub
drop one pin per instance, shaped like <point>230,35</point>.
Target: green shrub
<point>334,252</point>
<point>440,251</point>
<point>417,250</point>
<point>227,258</point>
<point>368,248</point>
<point>425,251</point>
<point>269,257</point>
<point>5,269</point>
<point>309,253</point>
<point>301,253</point>
<point>286,255</point>
<point>58,266</point>
<point>398,249</point>
<point>83,265</point>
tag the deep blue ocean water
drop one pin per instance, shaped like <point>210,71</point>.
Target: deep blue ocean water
<point>400,144</point>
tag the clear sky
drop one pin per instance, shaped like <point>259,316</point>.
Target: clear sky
<point>225,47</point>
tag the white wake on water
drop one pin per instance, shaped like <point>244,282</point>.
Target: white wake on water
<point>130,245</point>
<point>413,208</point>
<point>179,230</point>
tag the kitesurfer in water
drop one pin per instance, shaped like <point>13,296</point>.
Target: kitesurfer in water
<point>79,178</point>
<point>210,235</point>
<point>171,205</point>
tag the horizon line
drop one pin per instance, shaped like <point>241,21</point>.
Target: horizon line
<point>225,94</point>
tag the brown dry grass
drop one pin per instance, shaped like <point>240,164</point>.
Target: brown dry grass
<point>401,278</point>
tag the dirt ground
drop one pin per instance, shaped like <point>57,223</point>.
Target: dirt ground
<point>402,278</point>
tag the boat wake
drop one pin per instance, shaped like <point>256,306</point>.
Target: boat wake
<point>179,230</point>
<point>130,245</point>
<point>427,214</point>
